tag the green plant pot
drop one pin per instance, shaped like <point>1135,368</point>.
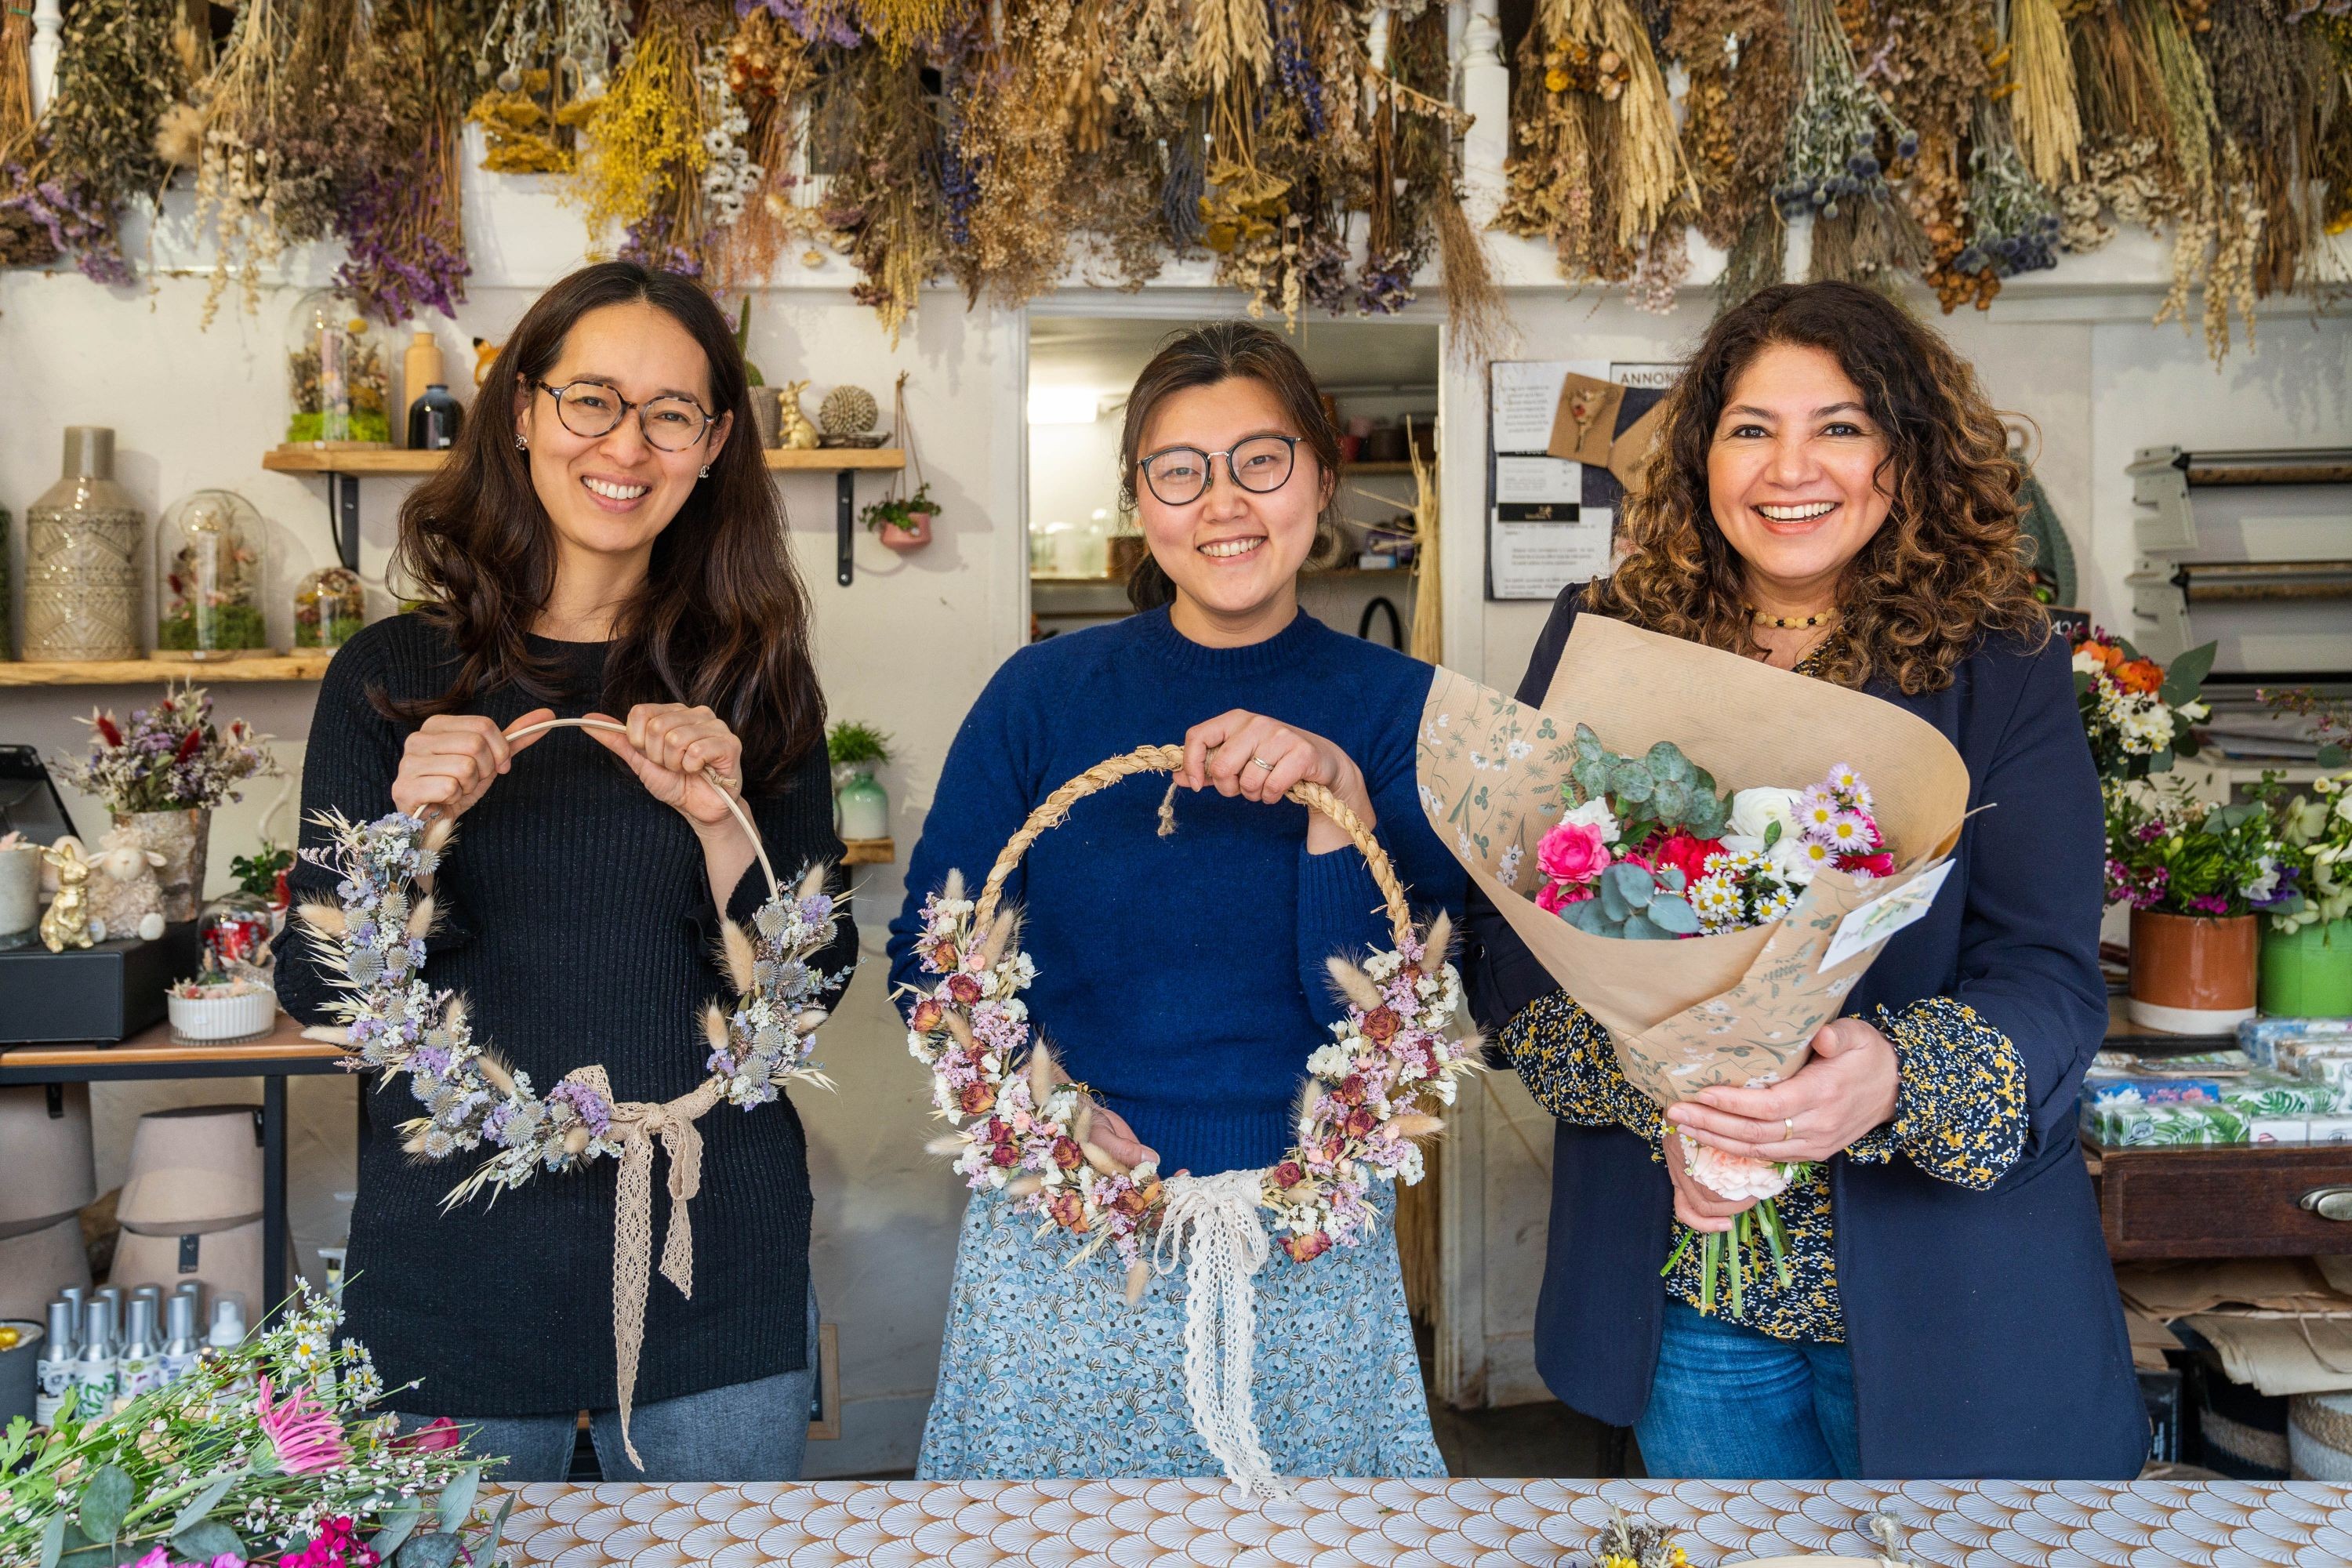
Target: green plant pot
<point>862,807</point>
<point>2309,973</point>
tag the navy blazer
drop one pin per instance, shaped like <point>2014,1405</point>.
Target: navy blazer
<point>1987,1336</point>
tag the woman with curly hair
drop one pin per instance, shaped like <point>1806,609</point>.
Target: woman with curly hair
<point>1830,494</point>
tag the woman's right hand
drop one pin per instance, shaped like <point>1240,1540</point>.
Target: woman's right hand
<point>451,761</point>
<point>1111,1134</point>
<point>1695,1205</point>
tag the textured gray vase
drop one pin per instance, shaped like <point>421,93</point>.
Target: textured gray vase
<point>84,541</point>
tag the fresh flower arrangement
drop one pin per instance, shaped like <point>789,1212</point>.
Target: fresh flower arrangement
<point>168,757</point>
<point>273,1449</point>
<point>900,511</point>
<point>2173,854</point>
<point>1631,1543</point>
<point>373,943</point>
<point>2137,712</point>
<point>1024,1129</point>
<point>2317,828</point>
<point>1646,849</point>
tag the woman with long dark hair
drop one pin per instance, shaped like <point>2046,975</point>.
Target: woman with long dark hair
<point>598,545</point>
<point>1830,493</point>
<point>1182,975</point>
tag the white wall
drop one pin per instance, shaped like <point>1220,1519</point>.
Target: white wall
<point>909,645</point>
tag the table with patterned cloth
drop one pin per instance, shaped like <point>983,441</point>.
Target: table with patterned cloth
<point>1377,1524</point>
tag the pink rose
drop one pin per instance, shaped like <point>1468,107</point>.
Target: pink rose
<point>1687,855</point>
<point>1551,898</point>
<point>1732,1177</point>
<point>1572,852</point>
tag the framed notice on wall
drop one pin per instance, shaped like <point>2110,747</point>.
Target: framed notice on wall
<point>1565,434</point>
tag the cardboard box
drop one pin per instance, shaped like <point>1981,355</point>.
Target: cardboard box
<point>102,994</point>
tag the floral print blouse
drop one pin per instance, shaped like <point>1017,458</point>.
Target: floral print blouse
<point>1959,1115</point>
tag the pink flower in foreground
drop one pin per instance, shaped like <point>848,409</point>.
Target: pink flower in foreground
<point>435,1435</point>
<point>1552,897</point>
<point>305,1434</point>
<point>1732,1177</point>
<point>1573,852</point>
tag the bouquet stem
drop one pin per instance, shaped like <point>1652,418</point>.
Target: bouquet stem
<point>1758,1239</point>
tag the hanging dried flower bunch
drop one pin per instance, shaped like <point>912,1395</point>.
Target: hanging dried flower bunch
<point>224,131</point>
<point>644,149</point>
<point>886,199</point>
<point>1596,166</point>
<point>305,136</point>
<point>399,205</point>
<point>24,241</point>
<point>542,58</point>
<point>2044,114</point>
<point>770,72</point>
<point>1842,138</point>
<point>1735,130</point>
<point>119,68</point>
<point>1012,117</point>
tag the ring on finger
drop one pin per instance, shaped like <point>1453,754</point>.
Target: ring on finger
<point>1261,762</point>
<point>1787,1128</point>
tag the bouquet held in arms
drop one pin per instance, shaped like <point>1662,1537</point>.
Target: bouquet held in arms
<point>1645,849</point>
<point>1594,817</point>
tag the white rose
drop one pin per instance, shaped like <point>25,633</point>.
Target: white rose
<point>1753,812</point>
<point>2087,662</point>
<point>1595,813</point>
<point>1793,859</point>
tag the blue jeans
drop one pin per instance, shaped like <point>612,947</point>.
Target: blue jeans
<point>755,1431</point>
<point>1728,1403</point>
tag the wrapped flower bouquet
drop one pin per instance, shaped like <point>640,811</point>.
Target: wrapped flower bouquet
<point>1711,935</point>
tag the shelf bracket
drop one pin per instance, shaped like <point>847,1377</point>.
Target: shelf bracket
<point>844,521</point>
<point>343,516</point>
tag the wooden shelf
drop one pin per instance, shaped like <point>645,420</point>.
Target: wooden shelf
<point>392,461</point>
<point>154,1048</point>
<point>869,851</point>
<point>138,671</point>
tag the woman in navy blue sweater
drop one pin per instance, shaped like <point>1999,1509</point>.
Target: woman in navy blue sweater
<point>1830,494</point>
<point>1182,978</point>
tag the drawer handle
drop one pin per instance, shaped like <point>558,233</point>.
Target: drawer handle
<point>2328,1202</point>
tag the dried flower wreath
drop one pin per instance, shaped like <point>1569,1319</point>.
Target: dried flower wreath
<point>374,944</point>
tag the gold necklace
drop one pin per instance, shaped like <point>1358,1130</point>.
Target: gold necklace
<point>1788,623</point>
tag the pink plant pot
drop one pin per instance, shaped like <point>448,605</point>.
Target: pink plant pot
<point>904,539</point>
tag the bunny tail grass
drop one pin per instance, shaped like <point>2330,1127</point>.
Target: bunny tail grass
<point>952,889</point>
<point>1413,1124</point>
<point>1138,1279</point>
<point>326,1033</point>
<point>813,880</point>
<point>1101,1161</point>
<point>437,834</point>
<point>714,1025</point>
<point>1000,936</point>
<point>495,1071</point>
<point>323,918</point>
<point>1024,1186</point>
<point>735,949</point>
<point>1434,950</point>
<point>420,918</point>
<point>952,1143</point>
<point>1353,982</point>
<point>1041,1073</point>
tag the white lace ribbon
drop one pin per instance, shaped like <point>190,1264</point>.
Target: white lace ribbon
<point>1211,1226</point>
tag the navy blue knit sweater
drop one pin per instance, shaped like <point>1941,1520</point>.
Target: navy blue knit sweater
<point>1182,977</point>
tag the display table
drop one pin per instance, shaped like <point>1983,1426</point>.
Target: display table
<point>282,1053</point>
<point>1348,1524</point>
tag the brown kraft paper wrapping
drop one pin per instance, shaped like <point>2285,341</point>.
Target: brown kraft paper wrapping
<point>1686,1015</point>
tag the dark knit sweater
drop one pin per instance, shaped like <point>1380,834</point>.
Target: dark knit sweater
<point>1182,977</point>
<point>579,927</point>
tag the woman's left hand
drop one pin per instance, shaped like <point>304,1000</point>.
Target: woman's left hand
<point>685,757</point>
<point>1847,1089</point>
<point>1248,755</point>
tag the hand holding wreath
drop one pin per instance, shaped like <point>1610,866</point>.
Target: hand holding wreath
<point>1256,757</point>
<point>684,756</point>
<point>449,761</point>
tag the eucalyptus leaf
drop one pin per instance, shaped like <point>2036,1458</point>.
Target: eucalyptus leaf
<point>1672,881</point>
<point>458,1497</point>
<point>1592,776</point>
<point>1702,781</point>
<point>104,1501</point>
<point>497,1531</point>
<point>1639,929</point>
<point>1632,883</point>
<point>1707,819</point>
<point>206,1540</point>
<point>1671,800</point>
<point>396,1528</point>
<point>1672,916</point>
<point>2161,763</point>
<point>202,1503</point>
<point>1629,781</point>
<point>2186,675</point>
<point>1585,916</point>
<point>439,1550</point>
<point>2082,681</point>
<point>53,1540</point>
<point>1612,902</point>
<point>1588,745</point>
<point>1668,762</point>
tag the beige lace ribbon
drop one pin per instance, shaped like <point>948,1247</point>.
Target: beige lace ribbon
<point>636,1124</point>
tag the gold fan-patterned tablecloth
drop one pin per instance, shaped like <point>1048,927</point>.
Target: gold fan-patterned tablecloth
<point>1377,1524</point>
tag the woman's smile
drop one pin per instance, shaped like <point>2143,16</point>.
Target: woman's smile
<point>1227,551</point>
<point>614,494</point>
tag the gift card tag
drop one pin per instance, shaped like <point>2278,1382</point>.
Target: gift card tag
<point>1882,917</point>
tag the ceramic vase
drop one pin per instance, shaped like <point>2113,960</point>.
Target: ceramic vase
<point>83,542</point>
<point>862,806</point>
<point>2307,973</point>
<point>180,837</point>
<point>20,895</point>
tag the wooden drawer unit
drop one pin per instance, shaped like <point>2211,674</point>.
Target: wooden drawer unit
<point>2232,1201</point>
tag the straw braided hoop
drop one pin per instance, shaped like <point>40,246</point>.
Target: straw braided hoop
<point>372,945</point>
<point>1021,1127</point>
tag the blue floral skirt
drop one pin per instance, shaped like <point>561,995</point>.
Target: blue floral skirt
<point>1047,1372</point>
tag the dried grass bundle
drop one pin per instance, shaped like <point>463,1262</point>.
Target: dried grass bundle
<point>2049,125</point>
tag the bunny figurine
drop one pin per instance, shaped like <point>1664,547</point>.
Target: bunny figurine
<point>66,922</point>
<point>125,897</point>
<point>796,434</point>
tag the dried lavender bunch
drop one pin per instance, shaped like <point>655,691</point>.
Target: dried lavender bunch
<point>117,73</point>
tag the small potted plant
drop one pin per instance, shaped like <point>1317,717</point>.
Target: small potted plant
<point>2306,954</point>
<point>2195,875</point>
<point>904,522</point>
<point>861,808</point>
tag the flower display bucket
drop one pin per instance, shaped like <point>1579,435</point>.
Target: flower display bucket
<point>2191,976</point>
<point>181,838</point>
<point>903,539</point>
<point>2309,973</point>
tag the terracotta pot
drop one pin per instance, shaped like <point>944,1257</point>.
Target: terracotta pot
<point>2191,976</point>
<point>915,538</point>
